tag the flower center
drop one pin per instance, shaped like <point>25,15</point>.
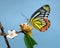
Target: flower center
<point>11,34</point>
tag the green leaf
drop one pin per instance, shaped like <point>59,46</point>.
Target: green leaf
<point>29,41</point>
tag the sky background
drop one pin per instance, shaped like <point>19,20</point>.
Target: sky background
<point>11,18</point>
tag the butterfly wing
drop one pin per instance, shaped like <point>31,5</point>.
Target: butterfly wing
<point>39,18</point>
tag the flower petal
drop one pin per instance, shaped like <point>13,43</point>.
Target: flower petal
<point>9,31</point>
<point>25,23</point>
<point>13,31</point>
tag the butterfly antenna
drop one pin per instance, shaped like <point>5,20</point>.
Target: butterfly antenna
<point>25,17</point>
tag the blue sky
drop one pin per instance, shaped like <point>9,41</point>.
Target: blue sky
<point>11,18</point>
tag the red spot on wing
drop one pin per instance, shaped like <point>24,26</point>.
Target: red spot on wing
<point>46,26</point>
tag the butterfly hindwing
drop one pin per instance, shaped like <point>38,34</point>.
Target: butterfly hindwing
<point>46,26</point>
<point>39,18</point>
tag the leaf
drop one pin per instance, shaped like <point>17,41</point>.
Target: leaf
<point>29,41</point>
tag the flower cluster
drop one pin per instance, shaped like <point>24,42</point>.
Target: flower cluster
<point>26,28</point>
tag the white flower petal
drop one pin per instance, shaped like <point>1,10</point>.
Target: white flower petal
<point>21,24</point>
<point>25,23</point>
<point>15,35</point>
<point>9,31</point>
<point>9,36</point>
<point>13,31</point>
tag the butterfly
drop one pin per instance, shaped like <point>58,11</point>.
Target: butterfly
<point>39,19</point>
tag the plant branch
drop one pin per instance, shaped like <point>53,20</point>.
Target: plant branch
<point>2,31</point>
<point>4,34</point>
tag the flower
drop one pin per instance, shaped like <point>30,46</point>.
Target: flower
<point>11,34</point>
<point>26,28</point>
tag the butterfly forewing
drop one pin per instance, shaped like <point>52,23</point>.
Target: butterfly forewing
<point>41,12</point>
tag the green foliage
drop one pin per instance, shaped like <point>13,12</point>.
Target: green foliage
<point>29,41</point>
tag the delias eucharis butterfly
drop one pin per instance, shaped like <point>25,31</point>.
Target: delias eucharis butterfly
<point>39,19</point>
